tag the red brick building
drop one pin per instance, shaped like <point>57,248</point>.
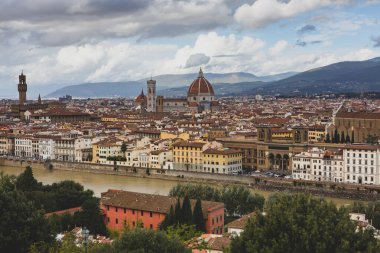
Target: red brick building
<point>123,207</point>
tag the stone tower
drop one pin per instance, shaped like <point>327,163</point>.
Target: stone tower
<point>300,135</point>
<point>264,133</point>
<point>151,87</point>
<point>22,89</point>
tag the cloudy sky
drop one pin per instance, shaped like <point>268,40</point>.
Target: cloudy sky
<point>62,42</point>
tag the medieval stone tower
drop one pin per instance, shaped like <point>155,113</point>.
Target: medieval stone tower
<point>22,89</point>
<point>151,87</point>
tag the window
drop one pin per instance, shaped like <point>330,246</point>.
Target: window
<point>151,226</point>
<point>133,223</point>
<point>125,210</point>
<point>108,219</point>
<point>115,209</point>
<point>117,221</point>
<point>108,208</point>
<point>142,213</point>
<point>151,214</point>
<point>133,211</point>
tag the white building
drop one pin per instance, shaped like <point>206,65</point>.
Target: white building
<point>65,149</point>
<point>46,148</point>
<point>83,149</point>
<point>318,165</point>
<point>159,158</point>
<point>362,164</point>
<point>23,147</point>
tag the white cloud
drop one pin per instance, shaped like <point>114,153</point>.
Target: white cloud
<point>264,12</point>
<point>279,47</point>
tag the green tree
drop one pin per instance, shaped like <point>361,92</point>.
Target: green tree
<point>328,139</point>
<point>147,241</point>
<point>302,223</point>
<point>178,212</point>
<point>91,217</point>
<point>336,136</point>
<point>342,138</point>
<point>21,224</point>
<point>198,219</point>
<point>353,137</point>
<point>348,139</point>
<point>195,191</point>
<point>7,182</point>
<point>183,232</point>
<point>26,181</point>
<point>187,214</point>
<point>169,220</point>
<point>238,200</point>
<point>123,148</point>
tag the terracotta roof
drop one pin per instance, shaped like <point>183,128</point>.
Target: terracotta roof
<point>219,243</point>
<point>150,202</point>
<point>362,146</point>
<point>241,222</point>
<point>221,151</point>
<point>200,86</point>
<point>358,115</point>
<point>70,210</point>
<point>189,144</point>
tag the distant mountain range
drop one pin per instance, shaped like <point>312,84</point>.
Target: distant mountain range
<point>97,90</point>
<point>164,83</point>
<point>350,76</point>
<point>354,76</point>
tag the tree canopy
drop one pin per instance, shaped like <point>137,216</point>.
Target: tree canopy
<point>301,224</point>
<point>238,200</point>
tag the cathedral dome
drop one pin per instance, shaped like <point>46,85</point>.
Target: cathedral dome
<point>200,87</point>
<point>140,98</point>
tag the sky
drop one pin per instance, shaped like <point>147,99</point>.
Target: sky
<point>64,42</point>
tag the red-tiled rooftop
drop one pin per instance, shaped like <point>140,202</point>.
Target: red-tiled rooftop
<point>150,202</point>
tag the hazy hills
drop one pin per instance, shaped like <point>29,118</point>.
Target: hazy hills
<point>175,84</point>
<point>354,76</point>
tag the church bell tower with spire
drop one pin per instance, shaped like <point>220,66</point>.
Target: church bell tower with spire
<point>22,89</point>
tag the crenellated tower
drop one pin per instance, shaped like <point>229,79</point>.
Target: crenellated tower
<point>22,89</point>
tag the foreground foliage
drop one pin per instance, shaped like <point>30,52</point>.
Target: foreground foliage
<point>238,200</point>
<point>302,224</point>
<point>24,202</point>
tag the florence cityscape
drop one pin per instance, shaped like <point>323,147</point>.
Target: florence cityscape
<point>204,126</point>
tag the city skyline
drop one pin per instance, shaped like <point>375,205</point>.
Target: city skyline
<point>65,43</point>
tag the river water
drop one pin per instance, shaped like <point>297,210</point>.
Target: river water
<point>99,183</point>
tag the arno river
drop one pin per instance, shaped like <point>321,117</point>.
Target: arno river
<point>100,183</point>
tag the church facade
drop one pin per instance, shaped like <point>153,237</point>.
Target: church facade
<point>200,97</point>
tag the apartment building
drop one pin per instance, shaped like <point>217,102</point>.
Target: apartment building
<point>362,164</point>
<point>318,165</point>
<point>223,161</point>
<point>188,155</point>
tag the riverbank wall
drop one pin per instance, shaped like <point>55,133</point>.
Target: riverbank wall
<point>324,189</point>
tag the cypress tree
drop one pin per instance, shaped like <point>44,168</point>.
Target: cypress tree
<point>342,138</point>
<point>187,215</point>
<point>169,219</point>
<point>336,136</point>
<point>353,137</point>
<point>348,139</point>
<point>198,219</point>
<point>178,213</point>
<point>328,139</point>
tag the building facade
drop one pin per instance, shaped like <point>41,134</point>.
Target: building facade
<point>130,208</point>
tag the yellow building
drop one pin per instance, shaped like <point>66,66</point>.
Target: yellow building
<point>187,155</point>
<point>316,134</point>
<point>167,135</point>
<point>223,161</point>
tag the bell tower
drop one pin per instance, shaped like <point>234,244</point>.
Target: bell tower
<point>22,89</point>
<point>151,85</point>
